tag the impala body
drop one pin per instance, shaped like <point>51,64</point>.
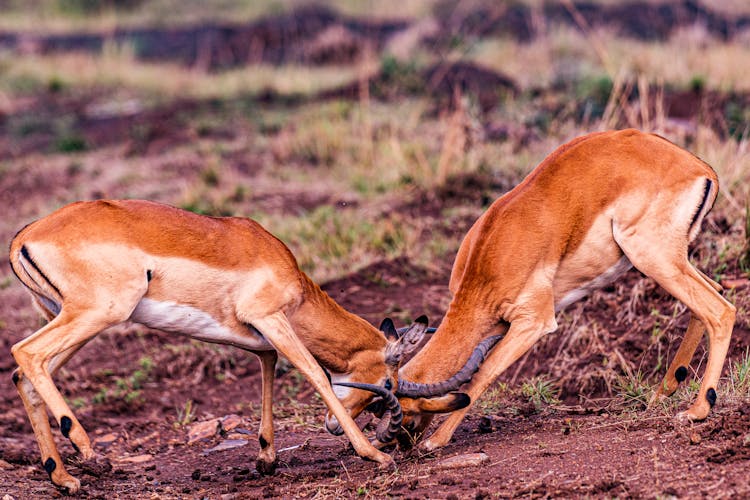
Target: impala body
<point>91,265</point>
<point>592,209</point>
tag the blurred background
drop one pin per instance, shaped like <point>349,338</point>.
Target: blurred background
<point>327,114</point>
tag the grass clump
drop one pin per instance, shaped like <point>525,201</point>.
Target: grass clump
<point>739,375</point>
<point>541,392</point>
<point>633,390</point>
<point>329,242</point>
<point>127,389</point>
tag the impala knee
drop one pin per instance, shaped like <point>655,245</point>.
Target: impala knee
<point>720,325</point>
<point>729,314</point>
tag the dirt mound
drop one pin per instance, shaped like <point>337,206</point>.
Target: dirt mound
<point>638,19</point>
<point>319,35</point>
<point>443,82</point>
<point>397,287</point>
<point>735,428</point>
<point>309,34</point>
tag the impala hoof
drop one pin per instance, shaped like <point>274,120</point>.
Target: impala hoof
<point>429,446</point>
<point>692,415</point>
<point>265,468</point>
<point>656,398</point>
<point>386,462</point>
<point>68,483</point>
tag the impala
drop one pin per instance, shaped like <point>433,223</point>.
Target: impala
<point>91,265</point>
<point>595,207</point>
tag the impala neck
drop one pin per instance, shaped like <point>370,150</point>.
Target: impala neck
<point>338,339</point>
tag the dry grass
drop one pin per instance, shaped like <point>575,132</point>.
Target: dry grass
<point>58,16</point>
<point>565,53</point>
<point>116,68</point>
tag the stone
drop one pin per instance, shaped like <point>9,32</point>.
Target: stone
<point>203,430</point>
<point>138,459</point>
<point>227,444</point>
<point>465,460</point>
<point>695,438</point>
<point>230,422</point>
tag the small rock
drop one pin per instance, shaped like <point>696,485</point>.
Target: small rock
<point>695,438</point>
<point>5,465</point>
<point>227,444</point>
<point>106,440</point>
<point>8,497</point>
<point>229,422</point>
<point>466,460</point>
<point>485,425</point>
<point>203,430</point>
<point>237,435</point>
<point>138,459</point>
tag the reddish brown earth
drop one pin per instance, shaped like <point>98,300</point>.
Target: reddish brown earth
<point>595,447</point>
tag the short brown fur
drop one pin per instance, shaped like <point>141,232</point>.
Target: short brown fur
<point>593,202</point>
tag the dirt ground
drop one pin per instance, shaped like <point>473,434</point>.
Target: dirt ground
<point>556,451</point>
<point>143,396</point>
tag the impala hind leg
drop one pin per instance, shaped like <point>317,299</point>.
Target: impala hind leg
<point>37,412</point>
<point>266,463</point>
<point>679,367</point>
<point>38,357</point>
<point>684,282</point>
<point>718,315</point>
<point>277,330</point>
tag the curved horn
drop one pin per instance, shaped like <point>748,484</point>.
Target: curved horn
<point>384,435</point>
<point>417,390</point>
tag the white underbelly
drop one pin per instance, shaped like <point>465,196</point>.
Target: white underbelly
<point>604,279</point>
<point>195,323</point>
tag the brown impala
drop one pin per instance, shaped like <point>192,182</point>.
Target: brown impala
<point>592,209</point>
<point>91,265</point>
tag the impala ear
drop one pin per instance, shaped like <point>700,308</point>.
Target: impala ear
<point>407,343</point>
<point>413,336</point>
<point>445,404</point>
<point>389,329</point>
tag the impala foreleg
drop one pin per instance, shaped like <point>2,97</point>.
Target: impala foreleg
<point>266,463</point>
<point>523,333</point>
<point>277,330</point>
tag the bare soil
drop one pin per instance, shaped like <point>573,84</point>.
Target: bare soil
<point>591,447</point>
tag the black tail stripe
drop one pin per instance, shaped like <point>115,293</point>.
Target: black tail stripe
<point>706,192</point>
<point>26,256</point>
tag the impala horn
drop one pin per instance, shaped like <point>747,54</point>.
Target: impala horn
<point>407,389</point>
<point>385,434</point>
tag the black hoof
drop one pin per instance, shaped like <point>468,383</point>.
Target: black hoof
<point>265,468</point>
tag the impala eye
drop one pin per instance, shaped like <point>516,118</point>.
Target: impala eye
<point>388,384</point>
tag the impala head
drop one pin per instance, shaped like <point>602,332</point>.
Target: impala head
<point>419,403</point>
<point>375,389</point>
